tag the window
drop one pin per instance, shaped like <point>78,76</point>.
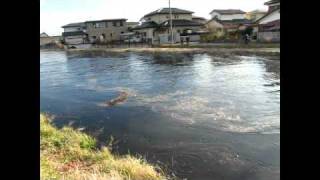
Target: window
<point>178,30</point>
<point>121,32</point>
<point>100,25</point>
<point>121,23</point>
<point>168,17</point>
<point>114,24</point>
<point>110,34</point>
<point>94,37</point>
<point>176,16</point>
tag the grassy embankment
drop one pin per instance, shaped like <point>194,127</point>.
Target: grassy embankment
<point>72,155</point>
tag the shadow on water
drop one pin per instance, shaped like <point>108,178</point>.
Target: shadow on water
<point>198,116</point>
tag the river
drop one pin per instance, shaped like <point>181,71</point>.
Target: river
<point>199,116</point>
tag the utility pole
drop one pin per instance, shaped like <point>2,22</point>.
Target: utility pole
<point>171,22</point>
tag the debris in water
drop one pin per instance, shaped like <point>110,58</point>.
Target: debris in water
<point>123,96</point>
<point>81,129</point>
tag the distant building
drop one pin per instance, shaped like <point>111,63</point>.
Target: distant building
<point>105,30</point>
<point>230,21</point>
<point>155,26</point>
<point>255,15</point>
<point>269,24</point>
<point>227,14</point>
<point>231,28</point>
<point>46,40</point>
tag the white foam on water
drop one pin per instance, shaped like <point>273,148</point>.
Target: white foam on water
<point>187,109</point>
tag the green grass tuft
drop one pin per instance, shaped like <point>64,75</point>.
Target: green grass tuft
<point>70,154</point>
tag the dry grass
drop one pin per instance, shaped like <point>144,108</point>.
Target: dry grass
<point>69,154</point>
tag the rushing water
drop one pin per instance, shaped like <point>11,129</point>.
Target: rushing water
<point>198,115</point>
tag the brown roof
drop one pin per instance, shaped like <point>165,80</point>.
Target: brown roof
<point>228,11</point>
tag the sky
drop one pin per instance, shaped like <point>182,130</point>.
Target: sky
<point>56,13</point>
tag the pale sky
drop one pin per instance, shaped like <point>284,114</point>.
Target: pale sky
<point>56,13</point>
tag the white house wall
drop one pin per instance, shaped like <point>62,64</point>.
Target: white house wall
<point>271,17</point>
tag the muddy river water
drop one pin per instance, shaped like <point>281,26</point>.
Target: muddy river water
<point>199,116</point>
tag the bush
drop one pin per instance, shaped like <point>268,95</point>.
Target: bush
<point>213,36</point>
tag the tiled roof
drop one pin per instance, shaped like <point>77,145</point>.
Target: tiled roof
<point>149,24</point>
<point>74,25</point>
<point>271,2</point>
<point>104,20</point>
<point>228,11</point>
<point>196,17</point>
<point>167,11</point>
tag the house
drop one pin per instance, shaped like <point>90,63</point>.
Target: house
<point>106,30</point>
<point>46,40</point>
<point>227,14</point>
<point>43,35</point>
<point>229,28</point>
<point>155,26</point>
<point>75,34</point>
<point>255,15</point>
<point>228,21</point>
<point>269,25</point>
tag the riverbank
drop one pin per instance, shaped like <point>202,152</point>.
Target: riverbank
<point>219,51</point>
<point>69,154</point>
